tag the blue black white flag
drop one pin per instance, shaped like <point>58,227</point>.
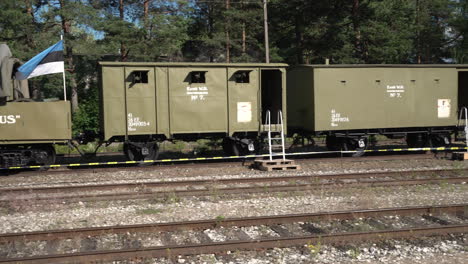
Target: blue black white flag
<point>47,62</point>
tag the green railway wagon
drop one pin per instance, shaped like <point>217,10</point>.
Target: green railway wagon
<point>349,102</point>
<point>143,103</point>
<point>28,128</point>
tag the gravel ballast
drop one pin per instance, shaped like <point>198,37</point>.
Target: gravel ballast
<point>18,217</point>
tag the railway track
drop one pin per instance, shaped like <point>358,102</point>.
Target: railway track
<point>232,234</point>
<point>209,187</point>
<point>218,163</point>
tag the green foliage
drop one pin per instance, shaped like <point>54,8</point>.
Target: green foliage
<point>211,24</point>
<point>354,252</point>
<point>384,31</point>
<point>356,31</point>
<point>459,31</point>
<point>314,249</point>
<point>87,116</point>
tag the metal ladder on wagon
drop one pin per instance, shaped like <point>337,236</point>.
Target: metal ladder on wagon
<point>462,155</point>
<point>275,141</point>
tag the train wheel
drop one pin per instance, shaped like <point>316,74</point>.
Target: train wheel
<point>333,143</point>
<point>417,140</point>
<point>131,153</point>
<point>439,140</point>
<point>359,145</point>
<point>45,155</point>
<point>153,151</point>
<point>230,147</point>
<point>141,151</point>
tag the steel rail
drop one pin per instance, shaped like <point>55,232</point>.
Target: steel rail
<point>212,248</point>
<point>236,190</point>
<point>154,184</point>
<point>455,209</point>
<point>210,163</point>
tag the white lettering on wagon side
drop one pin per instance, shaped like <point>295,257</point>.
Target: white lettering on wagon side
<point>197,93</point>
<point>134,122</point>
<point>336,118</point>
<point>395,91</point>
<point>8,119</point>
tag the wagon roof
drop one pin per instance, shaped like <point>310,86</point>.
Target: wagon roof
<point>193,64</point>
<point>383,65</point>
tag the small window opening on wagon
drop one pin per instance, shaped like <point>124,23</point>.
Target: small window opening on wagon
<point>197,77</point>
<point>140,77</point>
<point>242,76</point>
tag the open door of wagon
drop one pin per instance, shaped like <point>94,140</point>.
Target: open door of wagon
<point>462,88</point>
<point>273,95</point>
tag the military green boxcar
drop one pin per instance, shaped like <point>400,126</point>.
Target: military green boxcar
<point>143,103</point>
<point>349,102</point>
<point>28,128</point>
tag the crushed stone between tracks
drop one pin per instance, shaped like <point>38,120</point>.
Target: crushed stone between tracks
<point>105,213</point>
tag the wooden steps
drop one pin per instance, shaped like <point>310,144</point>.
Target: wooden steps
<point>460,155</point>
<point>275,165</point>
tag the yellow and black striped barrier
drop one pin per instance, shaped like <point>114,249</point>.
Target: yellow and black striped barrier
<point>223,158</point>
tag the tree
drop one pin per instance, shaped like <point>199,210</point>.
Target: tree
<point>72,18</point>
<point>18,26</point>
<point>229,31</point>
<point>387,33</point>
<point>431,22</point>
<point>458,31</point>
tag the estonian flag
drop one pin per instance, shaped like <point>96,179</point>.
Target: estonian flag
<point>47,62</point>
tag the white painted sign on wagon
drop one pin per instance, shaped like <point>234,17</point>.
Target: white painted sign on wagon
<point>337,118</point>
<point>197,93</point>
<point>244,112</point>
<point>443,108</point>
<point>395,91</point>
<point>135,122</point>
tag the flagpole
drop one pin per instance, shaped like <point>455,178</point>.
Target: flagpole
<point>64,87</point>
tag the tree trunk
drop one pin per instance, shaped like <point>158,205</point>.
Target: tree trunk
<point>265,26</point>
<point>145,9</point>
<point>146,4</point>
<point>418,33</point>
<point>244,34</point>
<point>357,31</point>
<point>298,27</point>
<point>29,10</point>
<point>66,27</point>
<point>228,40</point>
<point>210,26</point>
<point>123,48</point>
<point>244,40</point>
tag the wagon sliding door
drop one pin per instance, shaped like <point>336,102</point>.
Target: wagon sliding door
<point>243,99</point>
<point>140,100</point>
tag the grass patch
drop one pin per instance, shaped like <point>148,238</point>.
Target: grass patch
<point>89,148</point>
<point>314,250</point>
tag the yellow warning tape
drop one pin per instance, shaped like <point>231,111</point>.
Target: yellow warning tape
<point>218,158</point>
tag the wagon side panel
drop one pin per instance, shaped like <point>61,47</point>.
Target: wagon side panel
<point>370,98</point>
<point>300,100</point>
<point>198,100</point>
<point>113,101</point>
<point>29,122</point>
